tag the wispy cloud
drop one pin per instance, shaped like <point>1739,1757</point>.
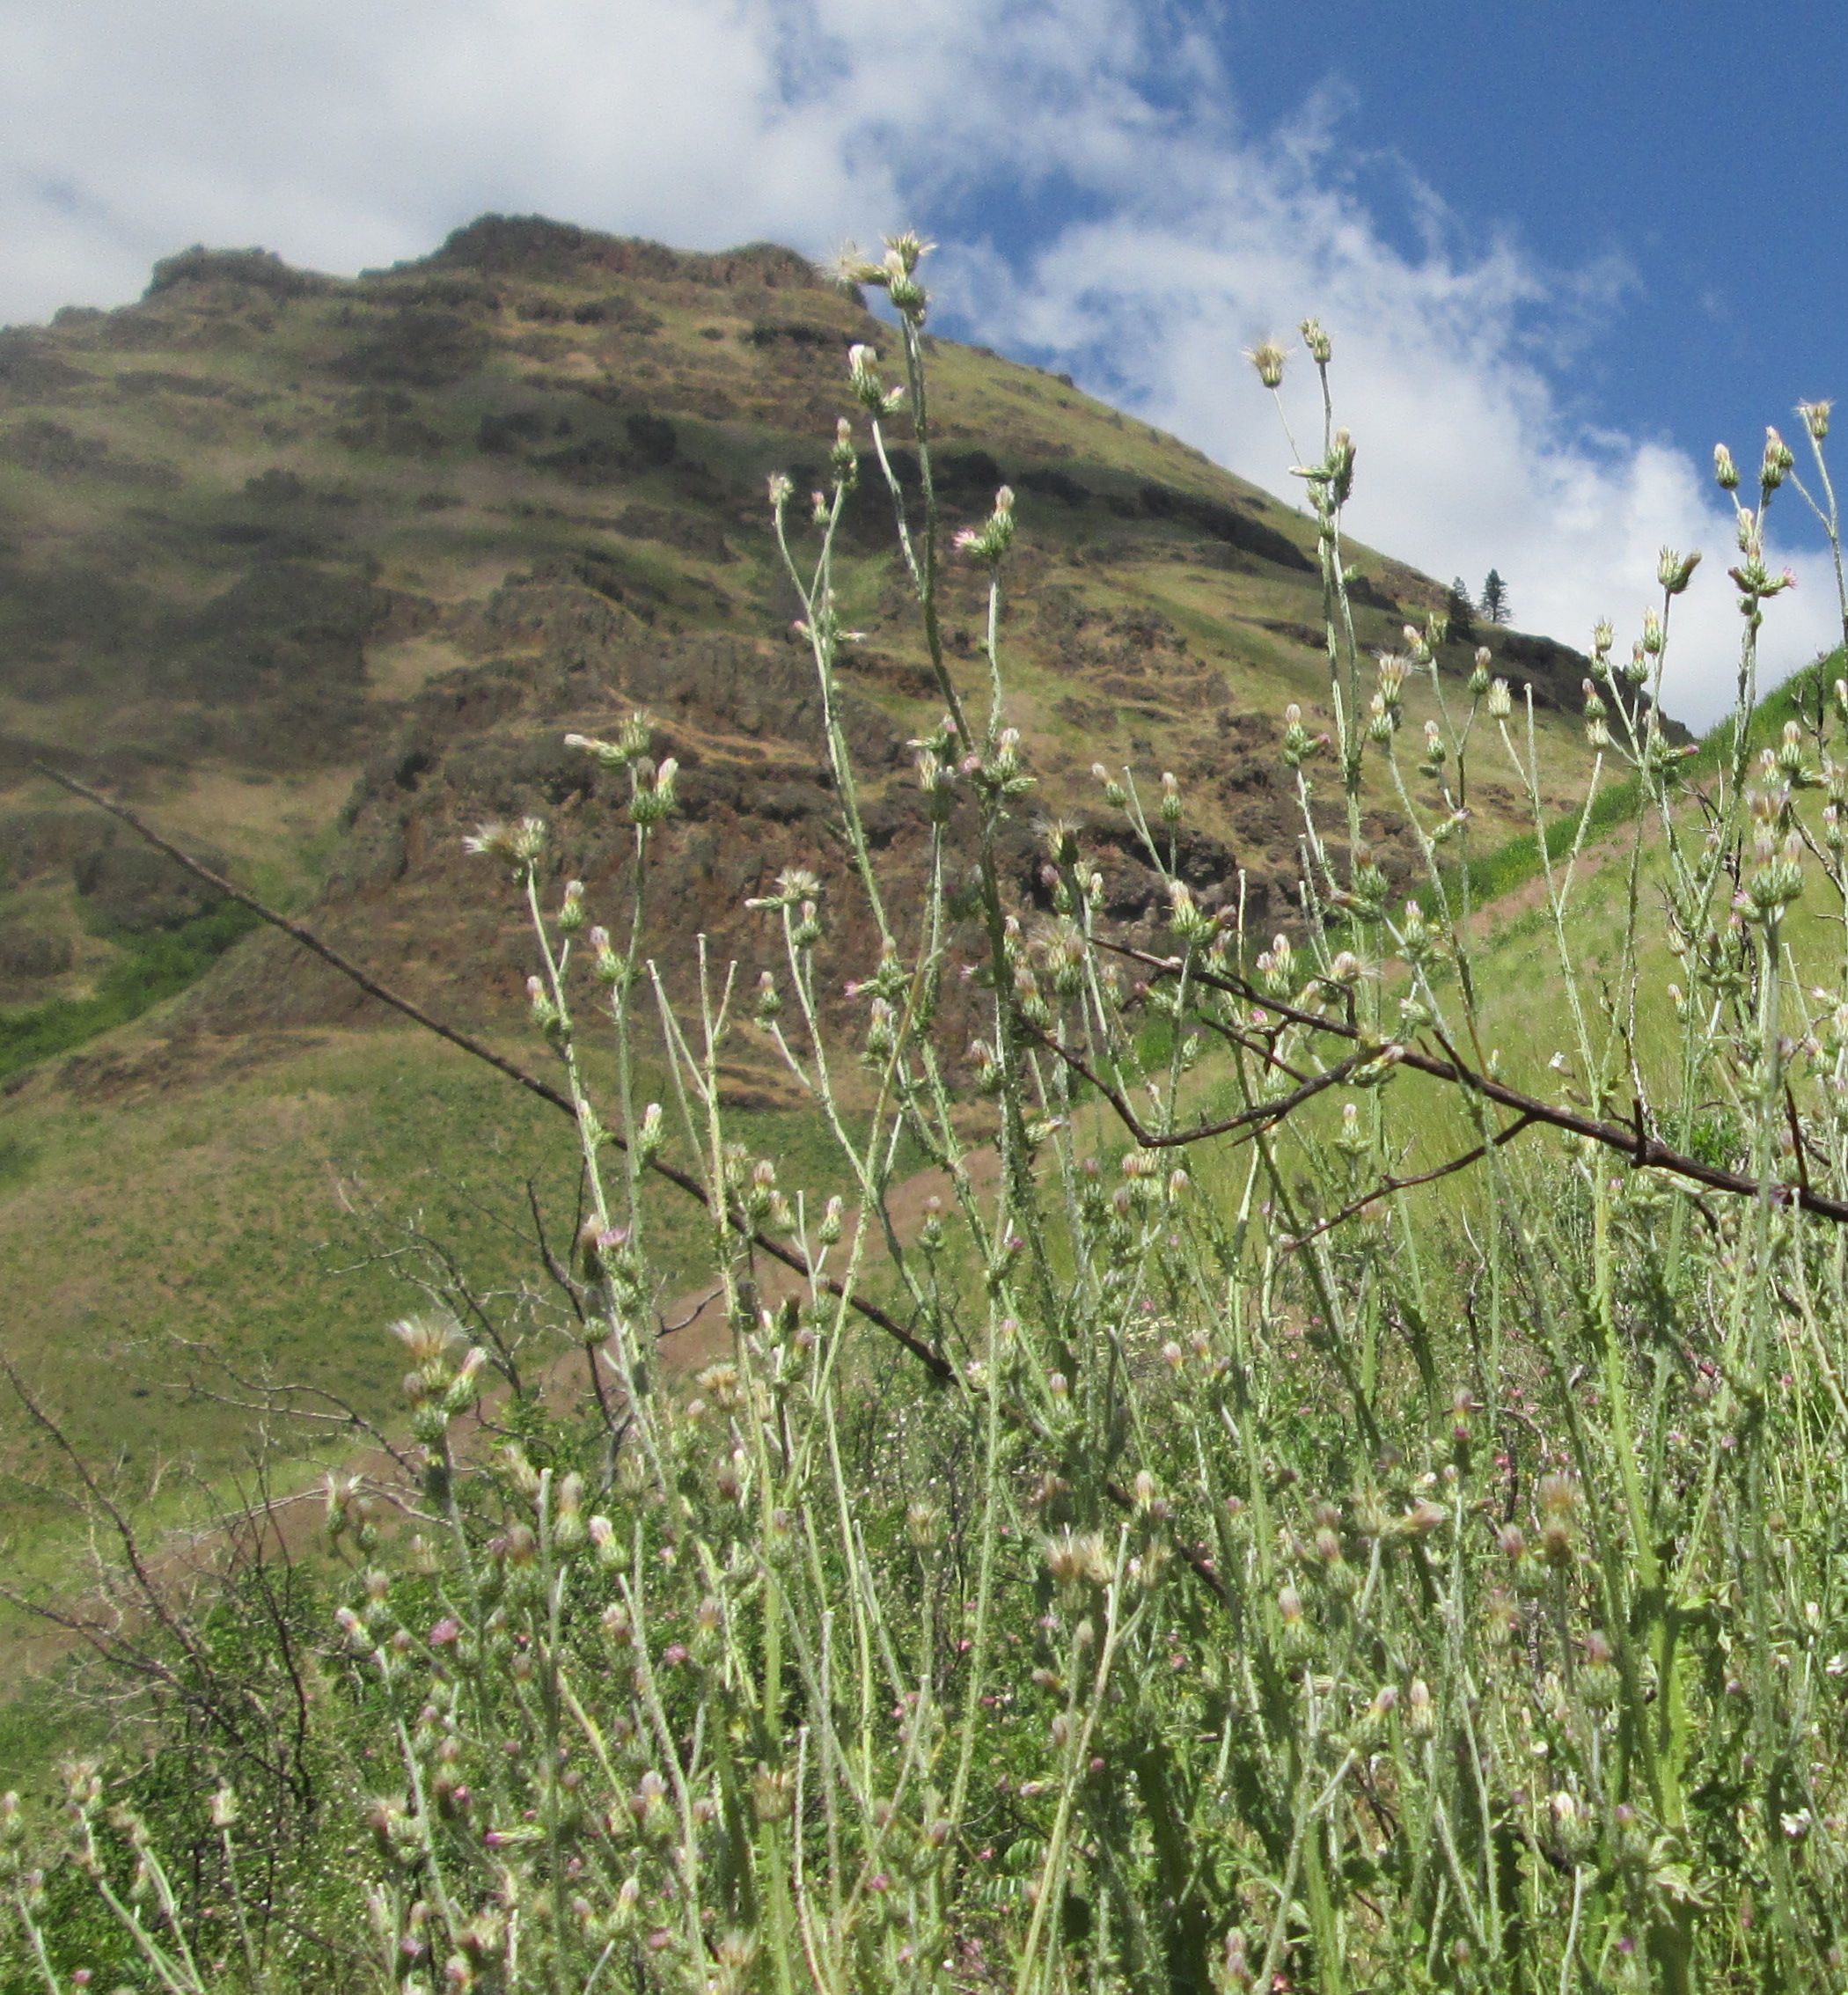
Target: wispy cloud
<point>1085,164</point>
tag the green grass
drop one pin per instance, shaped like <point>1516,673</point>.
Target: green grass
<point>153,968</point>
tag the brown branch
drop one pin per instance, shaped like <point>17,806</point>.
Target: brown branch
<point>1201,1567</point>
<point>1635,1143</point>
<point>931,1359</point>
<point>1387,1186</point>
<point>1271,1111</point>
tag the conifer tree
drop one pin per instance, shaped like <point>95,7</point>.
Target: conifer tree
<point>1461,610</point>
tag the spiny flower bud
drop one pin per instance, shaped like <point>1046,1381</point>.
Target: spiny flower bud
<point>1073,1558</point>
<point>1815,418</point>
<point>990,540</point>
<point>1298,745</point>
<point>1558,1502</point>
<point>518,845</point>
<point>1723,469</point>
<point>863,377</point>
<point>653,795</point>
<point>1777,461</point>
<point>1479,673</point>
<point>1674,570</point>
<point>1267,356</point>
<point>1501,701</point>
<point>1315,338</point>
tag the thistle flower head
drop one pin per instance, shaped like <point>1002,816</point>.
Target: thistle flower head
<point>989,541</point>
<point>1075,1557</point>
<point>1268,357</point>
<point>1675,571</point>
<point>1778,460</point>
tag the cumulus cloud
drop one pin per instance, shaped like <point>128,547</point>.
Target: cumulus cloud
<point>1164,235</point>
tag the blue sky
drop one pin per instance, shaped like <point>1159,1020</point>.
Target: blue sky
<point>1562,248</point>
<point>1694,158</point>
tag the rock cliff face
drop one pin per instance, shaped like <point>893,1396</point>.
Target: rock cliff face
<point>322,571</point>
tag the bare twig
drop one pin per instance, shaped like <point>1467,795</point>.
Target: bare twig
<point>1635,1142</point>
<point>932,1359</point>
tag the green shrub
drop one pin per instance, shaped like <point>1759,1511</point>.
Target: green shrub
<point>151,968</point>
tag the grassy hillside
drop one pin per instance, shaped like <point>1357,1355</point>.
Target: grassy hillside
<point>268,535</point>
<point>317,573</point>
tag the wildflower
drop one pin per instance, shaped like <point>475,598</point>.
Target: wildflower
<point>1776,461</point>
<point>988,542</point>
<point>517,845</point>
<point>1267,356</point>
<point>1073,1558</point>
<point>1673,571</point>
<point>1558,1502</point>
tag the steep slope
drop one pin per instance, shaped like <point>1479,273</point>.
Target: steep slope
<point>322,571</point>
<point>318,573</point>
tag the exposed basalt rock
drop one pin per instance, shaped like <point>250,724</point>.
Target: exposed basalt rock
<point>533,465</point>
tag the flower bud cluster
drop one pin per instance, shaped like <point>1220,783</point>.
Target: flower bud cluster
<point>1776,463</point>
<point>989,541</point>
<point>1386,709</point>
<point>652,790</point>
<point>1276,967</point>
<point>1419,943</point>
<point>895,274</point>
<point>864,379</point>
<point>1675,571</point>
<point>1298,743</point>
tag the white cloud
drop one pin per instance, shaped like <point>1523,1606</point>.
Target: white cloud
<point>343,134</point>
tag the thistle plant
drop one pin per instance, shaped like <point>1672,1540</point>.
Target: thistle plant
<point>1195,1554</point>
